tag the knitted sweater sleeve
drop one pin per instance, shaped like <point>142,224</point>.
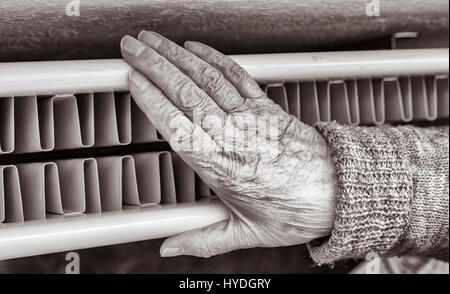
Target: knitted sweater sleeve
<point>392,194</point>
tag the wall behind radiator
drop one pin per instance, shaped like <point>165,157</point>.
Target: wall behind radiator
<point>41,30</point>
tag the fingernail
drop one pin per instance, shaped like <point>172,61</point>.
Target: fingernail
<point>169,252</point>
<point>131,46</point>
<point>138,80</point>
<point>151,38</point>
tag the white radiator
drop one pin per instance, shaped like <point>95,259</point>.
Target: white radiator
<point>58,193</point>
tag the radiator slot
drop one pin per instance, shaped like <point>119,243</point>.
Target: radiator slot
<point>277,92</point>
<point>442,92</point>
<point>11,203</point>
<point>201,189</point>
<point>112,119</point>
<point>310,111</point>
<point>142,129</point>
<point>293,91</point>
<point>6,125</point>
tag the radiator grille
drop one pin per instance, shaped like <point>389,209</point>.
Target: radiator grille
<point>365,101</point>
<point>35,191</point>
<point>77,155</point>
<point>38,123</point>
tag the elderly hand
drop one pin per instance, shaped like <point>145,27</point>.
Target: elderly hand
<point>272,171</point>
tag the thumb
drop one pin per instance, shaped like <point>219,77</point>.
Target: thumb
<point>215,239</point>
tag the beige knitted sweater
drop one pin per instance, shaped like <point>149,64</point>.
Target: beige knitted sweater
<point>393,192</point>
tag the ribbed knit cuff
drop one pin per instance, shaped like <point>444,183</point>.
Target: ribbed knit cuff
<point>392,194</point>
<point>374,192</point>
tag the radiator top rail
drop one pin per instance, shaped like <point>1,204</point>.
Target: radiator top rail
<point>81,76</point>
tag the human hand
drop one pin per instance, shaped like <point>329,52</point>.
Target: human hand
<point>272,171</point>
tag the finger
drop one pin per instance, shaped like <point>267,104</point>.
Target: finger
<point>203,74</point>
<point>215,239</point>
<point>155,105</point>
<point>178,87</point>
<point>232,71</point>
<point>196,147</point>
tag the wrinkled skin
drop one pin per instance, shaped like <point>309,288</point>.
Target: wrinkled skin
<point>277,180</point>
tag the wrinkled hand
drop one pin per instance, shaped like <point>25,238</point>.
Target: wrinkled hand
<point>272,171</point>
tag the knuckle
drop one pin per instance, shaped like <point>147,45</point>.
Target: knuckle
<point>217,58</point>
<point>173,52</point>
<point>212,79</point>
<point>188,94</point>
<point>183,87</point>
<point>238,73</point>
<point>150,59</point>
